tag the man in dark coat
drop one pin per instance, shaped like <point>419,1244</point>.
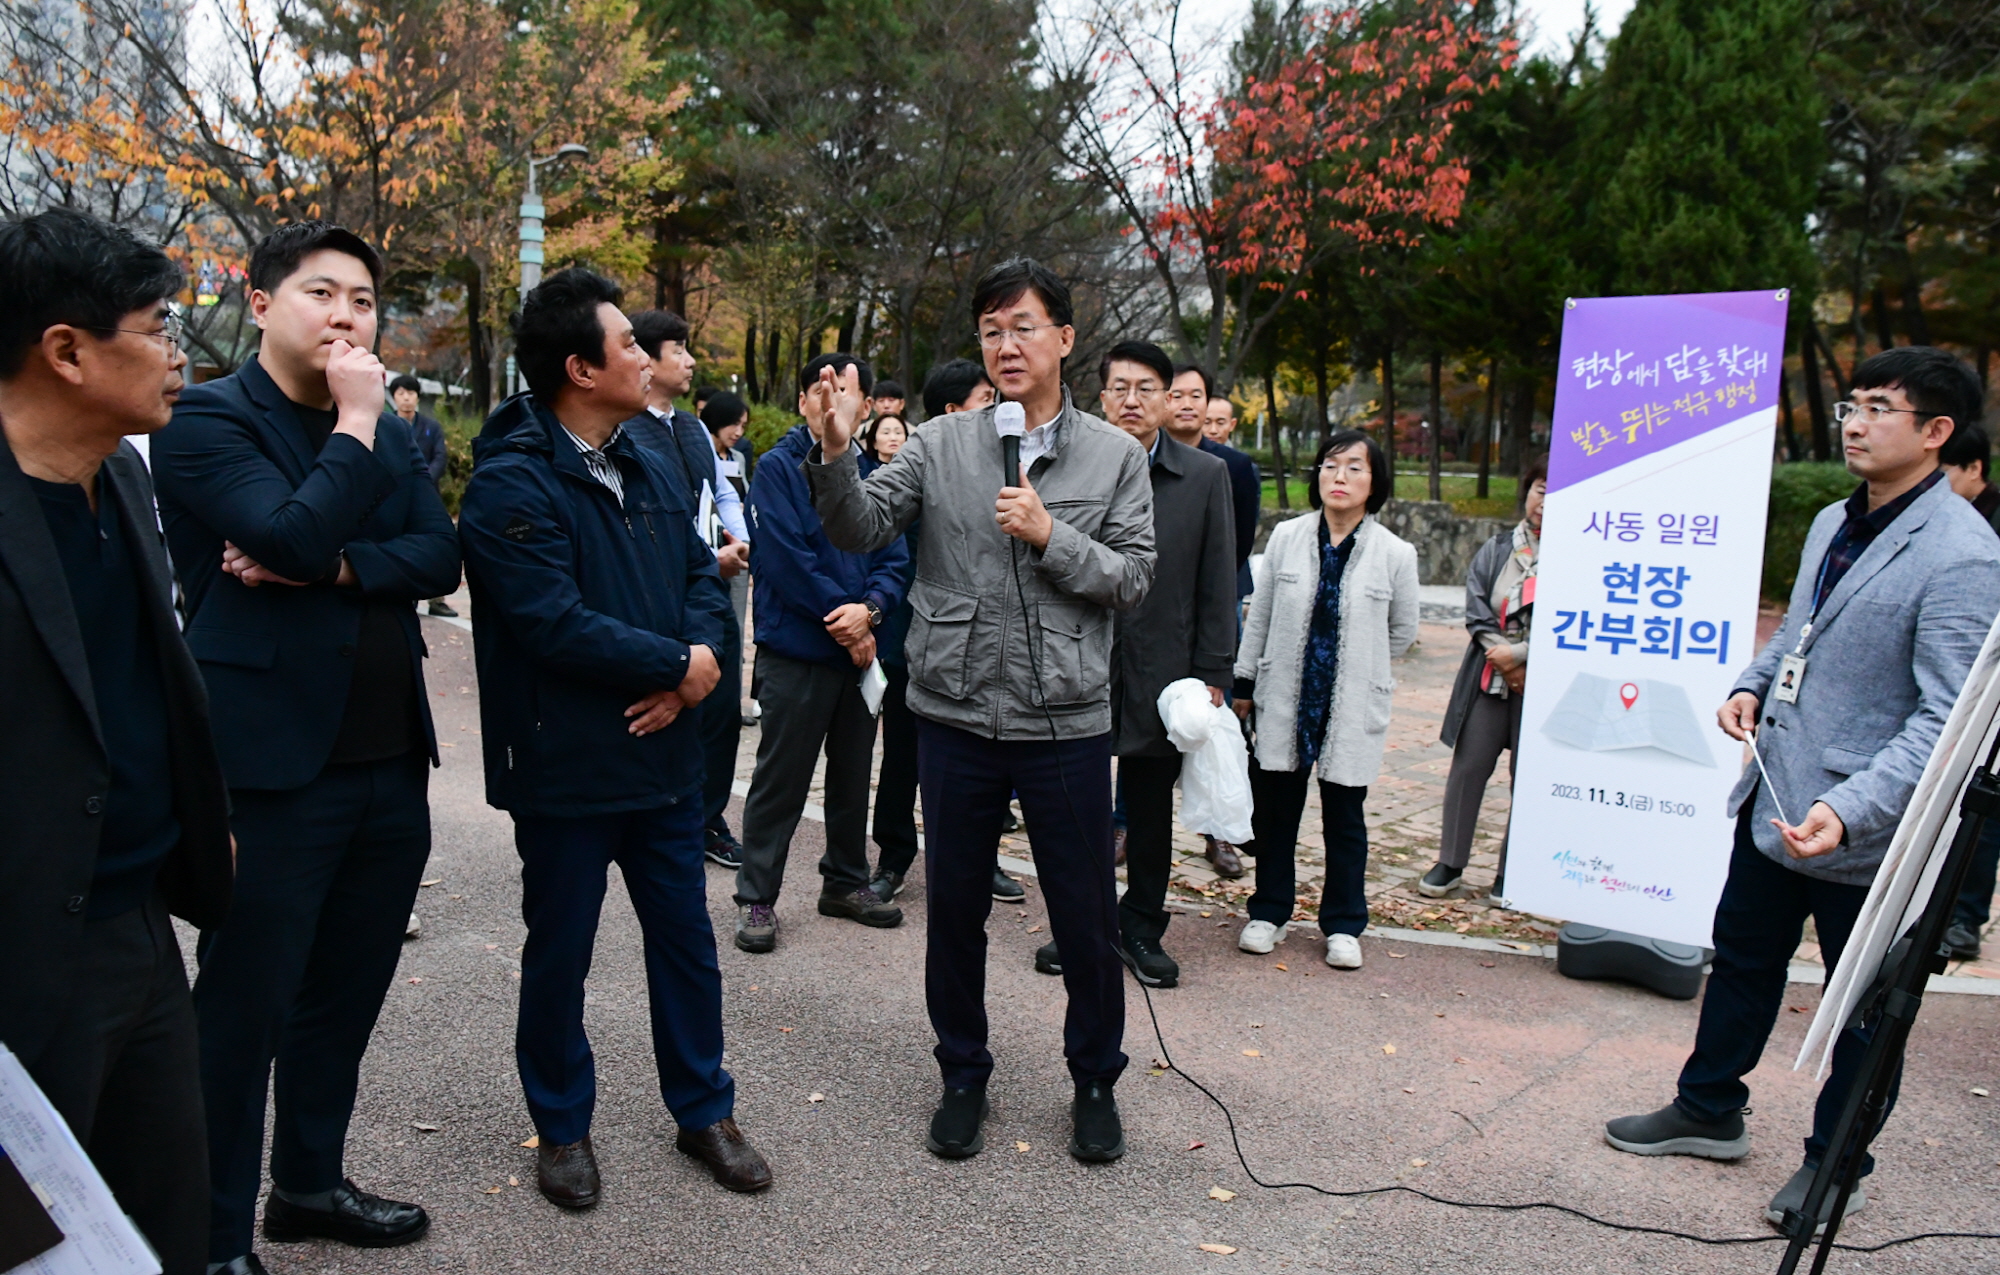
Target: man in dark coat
<point>598,616</point>
<point>406,392</point>
<point>1185,627</point>
<point>306,529</point>
<point>115,811</point>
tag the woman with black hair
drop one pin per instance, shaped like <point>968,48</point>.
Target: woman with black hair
<point>1484,716</point>
<point>1336,600</point>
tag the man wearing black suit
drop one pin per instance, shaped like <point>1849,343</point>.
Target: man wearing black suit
<point>306,528</point>
<point>115,812</point>
<point>690,454</point>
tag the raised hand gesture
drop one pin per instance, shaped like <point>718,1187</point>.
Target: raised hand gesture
<point>833,409</point>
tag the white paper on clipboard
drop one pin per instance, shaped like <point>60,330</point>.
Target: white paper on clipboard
<point>705,517</point>
<point>99,1238</point>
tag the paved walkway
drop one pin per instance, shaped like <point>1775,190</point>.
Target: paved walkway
<point>1471,1074</point>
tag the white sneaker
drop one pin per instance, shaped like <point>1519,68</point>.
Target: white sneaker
<point>1261,936</point>
<point>1343,951</point>
<point>415,927</point>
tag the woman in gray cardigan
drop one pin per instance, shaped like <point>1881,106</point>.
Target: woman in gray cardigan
<point>1484,716</point>
<point>1336,600</point>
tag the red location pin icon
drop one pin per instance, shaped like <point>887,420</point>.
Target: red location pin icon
<point>1630,694</point>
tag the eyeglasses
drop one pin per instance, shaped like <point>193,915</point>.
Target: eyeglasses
<point>997,337</point>
<point>170,328</point>
<point>1873,413</point>
<point>1353,468</point>
<point>1118,391</point>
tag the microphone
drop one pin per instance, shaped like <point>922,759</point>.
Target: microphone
<point>1010,421</point>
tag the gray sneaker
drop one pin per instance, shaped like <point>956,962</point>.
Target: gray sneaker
<point>1669,1131</point>
<point>1792,1195</point>
<point>757,928</point>
<point>861,905</point>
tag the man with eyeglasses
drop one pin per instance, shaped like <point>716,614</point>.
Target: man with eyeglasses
<point>1897,587</point>
<point>1009,654</point>
<point>1186,627</point>
<point>115,813</point>
<point>306,529</point>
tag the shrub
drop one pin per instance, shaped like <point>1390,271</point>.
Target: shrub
<point>1798,493</point>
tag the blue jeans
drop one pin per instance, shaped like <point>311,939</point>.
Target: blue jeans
<point>563,866</point>
<point>1758,925</point>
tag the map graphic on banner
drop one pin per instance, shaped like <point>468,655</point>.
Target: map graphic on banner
<point>1645,608</point>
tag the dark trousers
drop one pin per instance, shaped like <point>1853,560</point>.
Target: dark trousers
<point>1065,791</point>
<point>1975,901</point>
<point>1280,797</point>
<point>807,708</point>
<point>124,1069</point>
<point>896,787</point>
<point>325,876</point>
<point>1492,726</point>
<point>1149,842</point>
<point>563,868</point>
<point>720,719</point>
<point>1758,925</point>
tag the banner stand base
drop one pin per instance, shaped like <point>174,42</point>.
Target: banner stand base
<point>1674,970</point>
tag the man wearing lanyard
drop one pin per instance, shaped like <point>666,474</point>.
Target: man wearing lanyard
<point>1896,590</point>
<point>690,454</point>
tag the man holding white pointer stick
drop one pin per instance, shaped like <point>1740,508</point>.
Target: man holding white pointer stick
<point>1009,654</point>
<point>1896,590</point>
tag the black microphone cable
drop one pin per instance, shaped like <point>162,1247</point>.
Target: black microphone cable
<point>1229,1117</point>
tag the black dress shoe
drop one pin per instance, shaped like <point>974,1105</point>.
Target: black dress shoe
<point>566,1173</point>
<point>1148,962</point>
<point>955,1125</point>
<point>248,1264</point>
<point>1007,889</point>
<point>727,1153</point>
<point>356,1218</point>
<point>1100,1135</point>
<point>1047,959</point>
<point>1963,942</point>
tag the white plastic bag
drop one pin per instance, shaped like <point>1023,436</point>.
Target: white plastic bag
<point>1215,766</point>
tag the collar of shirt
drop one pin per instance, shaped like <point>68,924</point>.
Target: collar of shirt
<point>1874,522</point>
<point>601,466</point>
<point>1153,452</point>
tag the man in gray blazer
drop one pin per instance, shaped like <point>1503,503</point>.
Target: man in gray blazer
<point>1897,587</point>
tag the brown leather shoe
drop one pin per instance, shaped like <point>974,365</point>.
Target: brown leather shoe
<point>567,1174</point>
<point>1227,862</point>
<point>728,1155</point>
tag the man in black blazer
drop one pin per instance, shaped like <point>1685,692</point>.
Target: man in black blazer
<point>112,808</point>
<point>306,528</point>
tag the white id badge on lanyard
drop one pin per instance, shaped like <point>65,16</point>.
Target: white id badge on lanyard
<point>1791,673</point>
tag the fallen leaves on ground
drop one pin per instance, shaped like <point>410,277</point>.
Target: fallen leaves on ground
<point>1418,1164</point>
<point>1408,1089</point>
<point>1223,1249</point>
<point>1221,1193</point>
<point>1281,965</point>
<point>1253,1053</point>
<point>513,1181</point>
<point>433,881</point>
<point>495,1190</point>
<point>421,1127</point>
<point>1397,956</point>
<point>1390,1050</point>
<point>816,1097</point>
<point>1978,1091</point>
<point>1023,1147</point>
<point>533,1142</point>
<point>784,1029</point>
<point>1196,1146</point>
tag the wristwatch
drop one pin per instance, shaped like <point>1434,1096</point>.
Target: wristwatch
<point>874,615</point>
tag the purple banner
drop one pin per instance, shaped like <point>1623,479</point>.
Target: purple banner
<point>1640,374</point>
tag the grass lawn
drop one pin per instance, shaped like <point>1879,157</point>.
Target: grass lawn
<point>1458,490</point>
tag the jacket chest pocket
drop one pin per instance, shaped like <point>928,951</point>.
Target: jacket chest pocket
<point>1086,516</point>
<point>939,645</point>
<point>1076,651</point>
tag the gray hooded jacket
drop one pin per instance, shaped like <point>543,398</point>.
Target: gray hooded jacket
<point>978,659</point>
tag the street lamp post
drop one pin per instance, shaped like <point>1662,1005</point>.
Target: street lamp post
<point>532,234</point>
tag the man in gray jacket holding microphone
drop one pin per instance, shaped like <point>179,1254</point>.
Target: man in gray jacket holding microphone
<point>1896,590</point>
<point>1010,671</point>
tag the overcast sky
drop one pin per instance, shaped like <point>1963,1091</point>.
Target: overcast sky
<point>1554,20</point>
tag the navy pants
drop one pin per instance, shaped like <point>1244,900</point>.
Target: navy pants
<point>1758,925</point>
<point>1975,901</point>
<point>1280,797</point>
<point>292,982</point>
<point>1065,791</point>
<point>720,721</point>
<point>563,868</point>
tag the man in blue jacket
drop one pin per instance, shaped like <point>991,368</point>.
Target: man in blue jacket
<point>305,529</point>
<point>597,617</point>
<point>817,609</point>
